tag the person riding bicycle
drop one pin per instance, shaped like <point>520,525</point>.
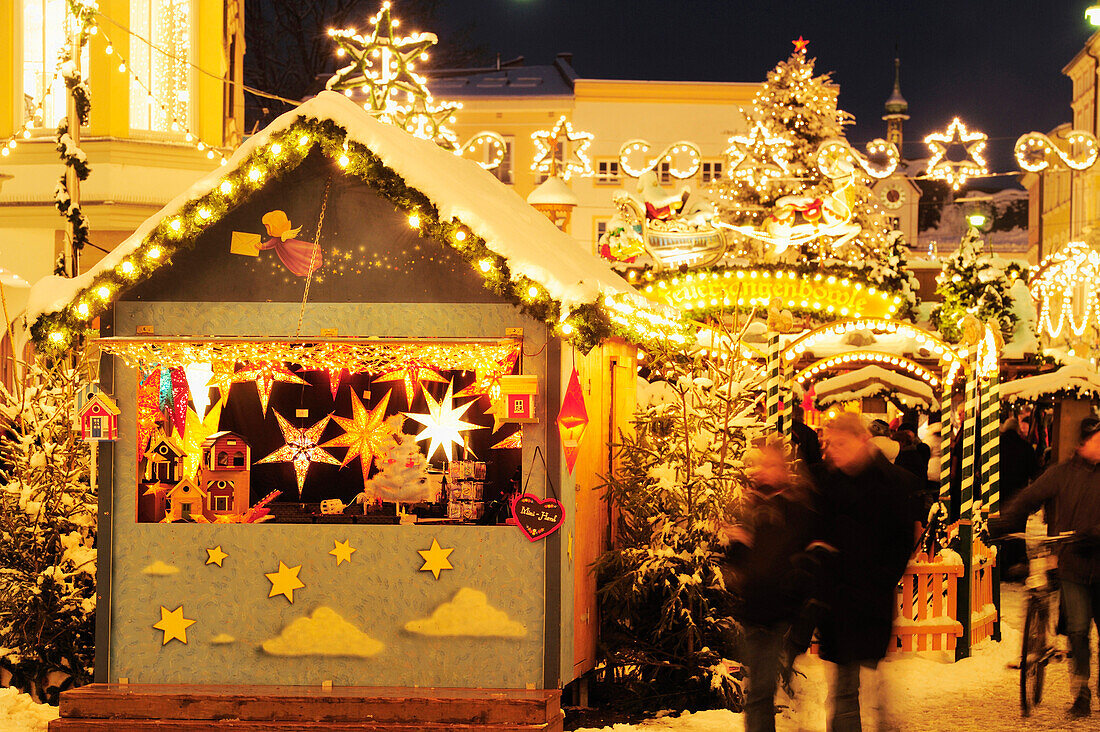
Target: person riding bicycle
<point>1073,488</point>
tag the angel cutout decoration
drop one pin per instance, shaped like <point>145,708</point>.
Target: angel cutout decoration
<point>300,257</point>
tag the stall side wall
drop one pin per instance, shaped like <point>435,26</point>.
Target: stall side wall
<point>240,634</point>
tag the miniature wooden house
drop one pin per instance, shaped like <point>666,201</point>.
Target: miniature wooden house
<point>187,502</point>
<point>98,418</point>
<point>447,275</point>
<point>163,461</point>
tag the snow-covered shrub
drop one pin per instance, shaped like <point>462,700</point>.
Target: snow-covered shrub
<point>47,534</point>
<point>665,613</point>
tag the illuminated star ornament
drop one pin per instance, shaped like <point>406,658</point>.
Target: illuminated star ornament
<point>575,161</point>
<point>222,379</point>
<point>285,581</point>
<point>366,435</point>
<point>435,558</point>
<point>443,424</point>
<point>410,371</point>
<point>173,624</point>
<point>381,65</point>
<point>800,45</point>
<point>956,172</point>
<point>757,156</point>
<point>197,432</point>
<point>301,448</point>
<point>265,375</point>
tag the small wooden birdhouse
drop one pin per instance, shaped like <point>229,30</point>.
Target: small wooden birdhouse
<point>163,460</point>
<point>99,418</point>
<point>226,451</point>
<point>226,472</point>
<point>519,394</point>
<point>188,502</point>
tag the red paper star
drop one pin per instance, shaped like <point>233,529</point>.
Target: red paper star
<point>366,435</point>
<point>800,44</point>
<point>488,378</point>
<point>265,375</point>
<point>301,448</point>
<point>148,409</point>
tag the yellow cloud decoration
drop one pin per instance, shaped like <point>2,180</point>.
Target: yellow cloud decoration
<point>468,613</point>
<point>160,569</point>
<point>324,633</point>
<point>223,639</point>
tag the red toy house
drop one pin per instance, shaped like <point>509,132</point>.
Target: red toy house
<point>99,418</point>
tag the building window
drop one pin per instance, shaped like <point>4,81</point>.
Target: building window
<point>712,171</point>
<point>559,154</point>
<point>895,223</point>
<point>46,26</point>
<point>503,172</point>
<point>607,173</point>
<point>160,90</point>
<point>221,503</point>
<point>666,173</point>
<point>601,229</point>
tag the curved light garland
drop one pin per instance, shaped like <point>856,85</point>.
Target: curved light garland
<point>669,155</point>
<point>832,151</point>
<point>1068,282</point>
<point>1034,149</point>
<point>491,142</point>
<point>936,345</point>
<point>877,357</point>
<point>956,172</point>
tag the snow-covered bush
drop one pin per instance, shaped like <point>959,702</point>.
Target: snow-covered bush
<point>665,612</point>
<point>47,534</point>
<point>971,283</point>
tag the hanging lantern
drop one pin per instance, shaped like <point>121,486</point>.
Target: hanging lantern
<point>572,420</point>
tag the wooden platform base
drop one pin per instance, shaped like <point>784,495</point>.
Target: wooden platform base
<point>185,708</point>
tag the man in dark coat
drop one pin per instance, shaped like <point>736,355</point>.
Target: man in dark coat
<point>770,571</point>
<point>868,518</point>
<point>1019,466</point>
<point>1074,487</point>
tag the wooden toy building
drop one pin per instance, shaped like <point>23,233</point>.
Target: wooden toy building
<point>394,295</point>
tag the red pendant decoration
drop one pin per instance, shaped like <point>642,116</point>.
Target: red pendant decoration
<point>180,395</point>
<point>572,420</point>
<point>148,407</point>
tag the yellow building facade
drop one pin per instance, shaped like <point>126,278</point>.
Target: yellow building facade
<point>160,90</point>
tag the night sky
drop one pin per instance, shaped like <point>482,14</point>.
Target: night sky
<point>995,63</point>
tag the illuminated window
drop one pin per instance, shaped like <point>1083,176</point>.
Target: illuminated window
<point>712,171</point>
<point>666,173</point>
<point>160,55</point>
<point>503,172</point>
<point>607,172</point>
<point>46,25</point>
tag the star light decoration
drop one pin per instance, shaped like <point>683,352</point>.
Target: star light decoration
<point>410,371</point>
<point>800,44</point>
<point>381,64</point>
<point>758,156</point>
<point>443,424</point>
<point>265,375</point>
<point>301,448</point>
<point>575,161</point>
<point>956,172</point>
<point>366,435</point>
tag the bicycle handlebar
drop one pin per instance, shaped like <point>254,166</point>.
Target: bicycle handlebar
<point>1062,538</point>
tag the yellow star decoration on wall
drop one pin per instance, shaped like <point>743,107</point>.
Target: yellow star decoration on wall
<point>215,555</point>
<point>342,551</point>
<point>265,375</point>
<point>197,431</point>
<point>956,172</point>
<point>285,581</point>
<point>435,558</point>
<point>443,424</point>
<point>573,161</point>
<point>301,448</point>
<point>366,435</point>
<point>173,624</point>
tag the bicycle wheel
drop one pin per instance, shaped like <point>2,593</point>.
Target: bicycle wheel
<point>1034,655</point>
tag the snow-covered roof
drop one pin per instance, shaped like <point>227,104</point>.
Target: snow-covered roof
<point>1068,379</point>
<point>869,381</point>
<point>553,191</point>
<point>459,189</point>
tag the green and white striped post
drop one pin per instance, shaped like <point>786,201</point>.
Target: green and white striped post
<point>774,382</point>
<point>966,511</point>
<point>991,471</point>
<point>946,433</point>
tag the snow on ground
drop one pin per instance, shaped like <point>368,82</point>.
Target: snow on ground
<point>19,713</point>
<point>925,693</point>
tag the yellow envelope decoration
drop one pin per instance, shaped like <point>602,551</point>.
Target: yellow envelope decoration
<point>245,243</point>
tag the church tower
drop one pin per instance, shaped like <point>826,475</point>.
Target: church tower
<point>896,109</point>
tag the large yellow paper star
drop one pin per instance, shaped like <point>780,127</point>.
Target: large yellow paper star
<point>366,435</point>
<point>265,375</point>
<point>956,172</point>
<point>196,433</point>
<point>285,581</point>
<point>443,424</point>
<point>435,558</point>
<point>301,448</point>
<point>215,555</point>
<point>342,551</point>
<point>410,371</point>
<point>173,624</point>
<point>222,379</point>
<point>575,161</point>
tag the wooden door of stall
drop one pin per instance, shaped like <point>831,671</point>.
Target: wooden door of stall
<point>607,376</point>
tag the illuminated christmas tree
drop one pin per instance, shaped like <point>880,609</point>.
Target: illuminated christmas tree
<point>792,113</point>
<point>973,283</point>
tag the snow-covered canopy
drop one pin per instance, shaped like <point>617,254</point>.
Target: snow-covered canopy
<point>870,381</point>
<point>1072,379</point>
<point>459,188</point>
<point>553,192</point>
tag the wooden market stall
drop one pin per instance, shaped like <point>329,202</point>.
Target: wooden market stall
<point>356,351</point>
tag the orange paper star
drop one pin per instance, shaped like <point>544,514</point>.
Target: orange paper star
<point>222,379</point>
<point>301,448</point>
<point>410,372</point>
<point>265,375</point>
<point>366,435</point>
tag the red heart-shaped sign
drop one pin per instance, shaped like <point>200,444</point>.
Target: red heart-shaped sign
<point>537,518</point>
